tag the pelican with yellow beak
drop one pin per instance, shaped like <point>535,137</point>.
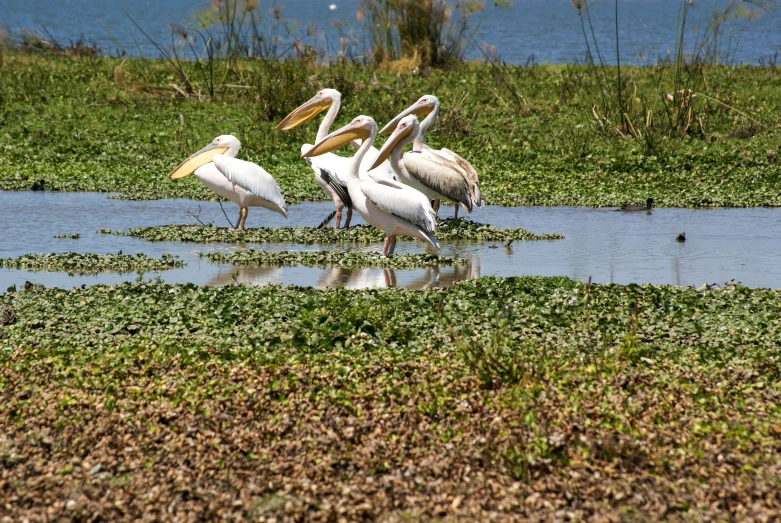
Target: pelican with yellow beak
<point>244,183</point>
<point>426,171</point>
<point>427,107</point>
<point>386,204</point>
<point>330,170</point>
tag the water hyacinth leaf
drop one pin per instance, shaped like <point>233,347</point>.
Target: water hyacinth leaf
<point>332,258</point>
<point>90,263</point>
<point>448,230</point>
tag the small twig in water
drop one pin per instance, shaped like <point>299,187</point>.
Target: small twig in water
<point>196,216</point>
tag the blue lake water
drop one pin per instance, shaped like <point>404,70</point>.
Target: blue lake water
<point>609,246</point>
<point>547,30</point>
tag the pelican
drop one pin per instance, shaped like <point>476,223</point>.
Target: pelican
<point>386,204</point>
<point>427,106</point>
<point>244,183</point>
<point>330,169</point>
<point>425,171</point>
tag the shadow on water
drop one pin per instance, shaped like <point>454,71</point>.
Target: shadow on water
<point>608,246</point>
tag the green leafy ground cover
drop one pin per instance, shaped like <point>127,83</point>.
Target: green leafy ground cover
<point>90,263</point>
<point>65,120</point>
<point>539,398</point>
<point>447,230</point>
<point>328,258</point>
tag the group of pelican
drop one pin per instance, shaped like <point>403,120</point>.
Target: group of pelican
<point>397,192</point>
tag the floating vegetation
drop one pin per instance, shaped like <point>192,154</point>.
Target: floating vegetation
<point>449,230</point>
<point>329,258</point>
<point>529,385</point>
<point>90,263</point>
<point>68,236</point>
<point>454,229</point>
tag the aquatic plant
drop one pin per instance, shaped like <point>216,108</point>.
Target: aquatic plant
<point>90,263</point>
<point>547,150</point>
<point>112,390</point>
<point>448,230</point>
<point>674,108</point>
<point>329,258</point>
<point>419,32</point>
<point>68,236</point>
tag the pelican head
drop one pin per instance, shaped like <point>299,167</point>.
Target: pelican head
<point>309,109</point>
<point>405,132</point>
<point>224,144</point>
<point>422,108</point>
<point>361,128</point>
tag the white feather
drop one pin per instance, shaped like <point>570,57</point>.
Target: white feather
<point>402,201</point>
<point>253,179</point>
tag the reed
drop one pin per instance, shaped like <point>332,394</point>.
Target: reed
<point>429,31</point>
<point>618,107</point>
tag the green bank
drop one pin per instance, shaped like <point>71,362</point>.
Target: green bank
<point>532,133</point>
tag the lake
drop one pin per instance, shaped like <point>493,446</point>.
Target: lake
<point>547,31</point>
<point>610,247</point>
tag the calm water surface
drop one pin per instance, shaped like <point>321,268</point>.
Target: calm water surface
<point>608,246</point>
<point>548,30</point>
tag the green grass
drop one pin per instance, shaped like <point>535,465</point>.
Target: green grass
<point>515,397</point>
<point>66,121</point>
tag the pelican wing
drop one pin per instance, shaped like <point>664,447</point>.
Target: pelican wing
<point>435,156</point>
<point>469,172</point>
<point>250,177</point>
<point>332,179</point>
<point>335,165</point>
<point>447,180</point>
<point>402,201</point>
<point>331,168</point>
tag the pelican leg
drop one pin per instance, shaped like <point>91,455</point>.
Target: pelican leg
<point>436,205</point>
<point>338,219</point>
<point>392,245</point>
<point>385,246</point>
<point>456,215</point>
<point>242,218</point>
<point>349,217</point>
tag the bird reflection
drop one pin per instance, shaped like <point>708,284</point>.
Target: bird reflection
<point>424,278</point>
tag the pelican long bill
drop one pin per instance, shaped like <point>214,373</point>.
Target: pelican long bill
<point>398,135</point>
<point>304,113</point>
<point>337,139</point>
<point>202,157</point>
<point>419,109</point>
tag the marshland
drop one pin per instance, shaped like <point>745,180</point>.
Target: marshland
<point>555,358</point>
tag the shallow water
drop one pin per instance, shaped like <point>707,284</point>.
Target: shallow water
<point>548,30</point>
<point>608,246</point>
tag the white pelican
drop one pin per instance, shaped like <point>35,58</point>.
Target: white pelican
<point>426,171</point>
<point>427,106</point>
<point>244,183</point>
<point>330,169</point>
<point>386,204</point>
